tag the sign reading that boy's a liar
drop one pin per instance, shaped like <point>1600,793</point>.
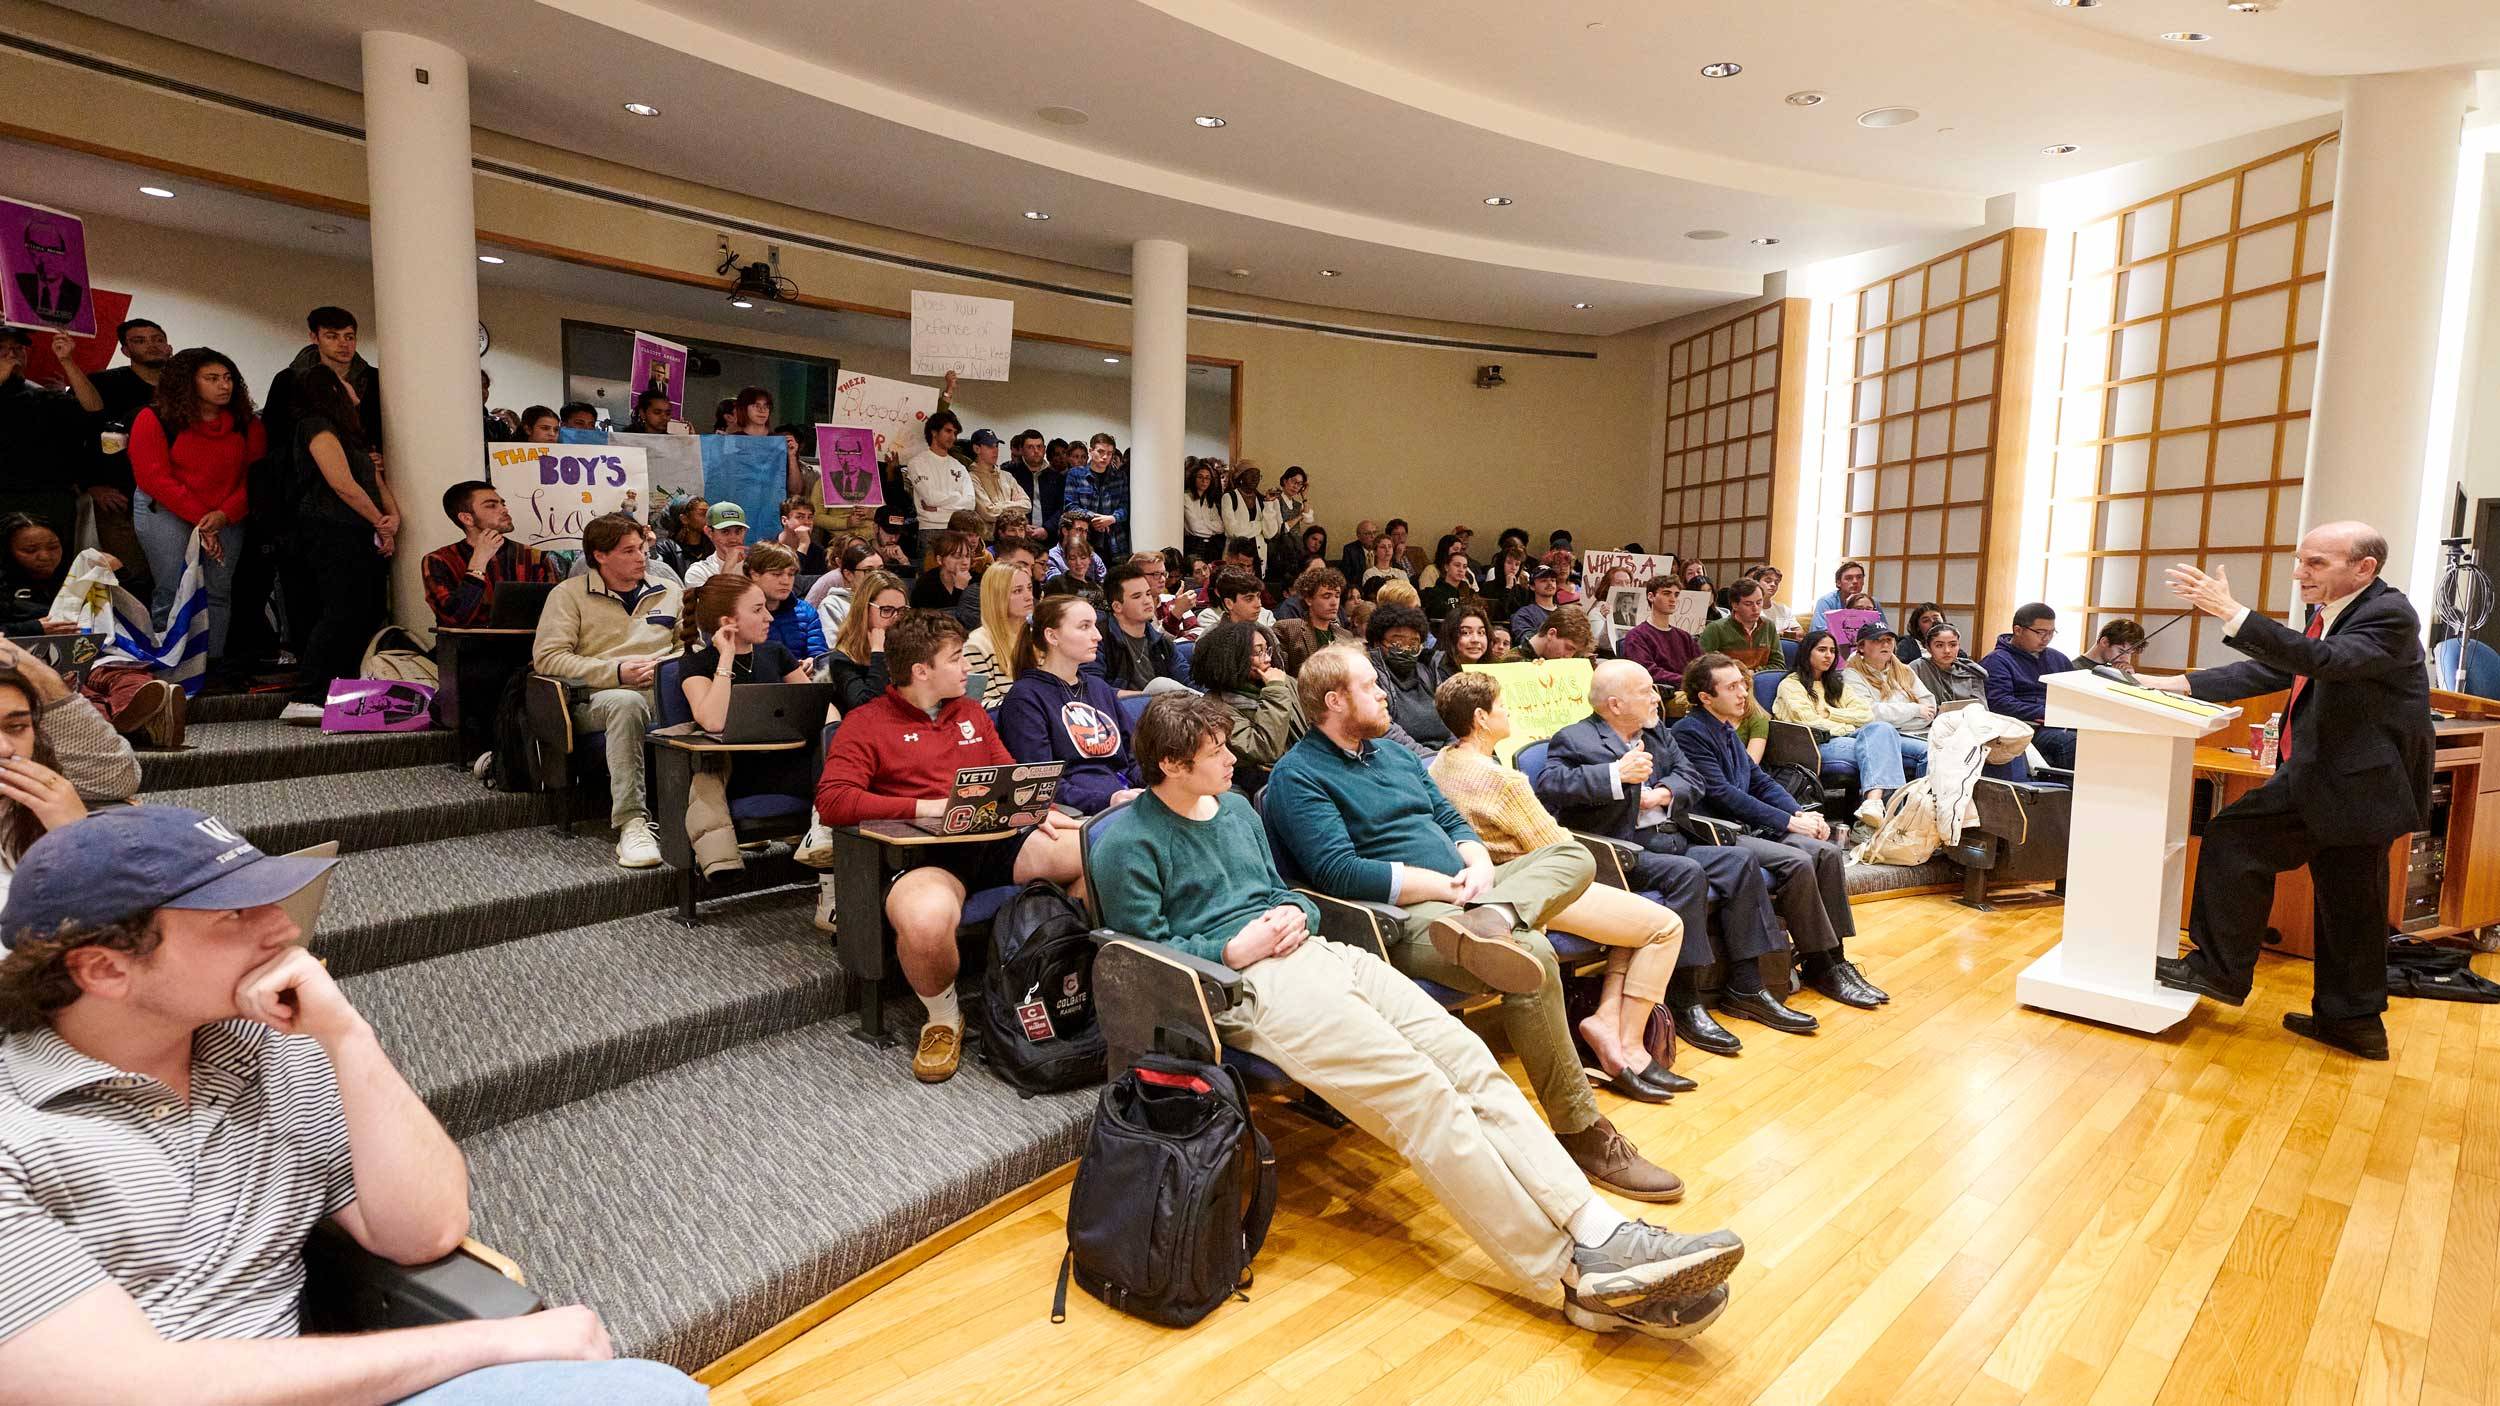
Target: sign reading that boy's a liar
<point>554,489</point>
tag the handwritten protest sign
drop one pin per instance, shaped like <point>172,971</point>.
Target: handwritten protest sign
<point>893,410</point>
<point>847,457</point>
<point>1692,611</point>
<point>966,335</point>
<point>1645,566</point>
<point>1542,697</point>
<point>553,489</point>
<point>659,364</point>
<point>43,270</point>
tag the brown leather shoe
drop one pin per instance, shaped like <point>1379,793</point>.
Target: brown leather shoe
<point>941,1049</point>
<point>166,731</point>
<point>1480,941</point>
<point>146,703</point>
<point>1609,1160</point>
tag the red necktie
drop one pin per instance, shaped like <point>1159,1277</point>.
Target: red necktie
<point>2317,627</point>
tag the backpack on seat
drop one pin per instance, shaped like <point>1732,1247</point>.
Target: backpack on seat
<point>394,654</point>
<point>1174,1194</point>
<point>1038,1029</point>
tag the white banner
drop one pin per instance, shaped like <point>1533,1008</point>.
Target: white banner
<point>553,489</point>
<point>894,409</point>
<point>969,336</point>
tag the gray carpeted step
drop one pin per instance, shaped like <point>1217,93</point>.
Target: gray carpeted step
<point>516,1028</point>
<point>376,809</point>
<point>264,749</point>
<point>698,1207</point>
<point>235,707</point>
<point>412,902</point>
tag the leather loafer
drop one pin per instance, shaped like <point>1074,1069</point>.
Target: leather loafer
<point>1849,972</point>
<point>1769,1010</point>
<point>1635,1087</point>
<point>2366,1037</point>
<point>1695,1026</point>
<point>1659,1076</point>
<point>2180,974</point>
<point>1837,982</point>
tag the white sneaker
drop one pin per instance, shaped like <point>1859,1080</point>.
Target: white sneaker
<point>485,763</point>
<point>824,904</point>
<point>816,851</point>
<point>636,846</point>
<point>301,713</point>
<point>1870,811</point>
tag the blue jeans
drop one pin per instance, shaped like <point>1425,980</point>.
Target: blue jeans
<point>1875,750</point>
<point>625,1382</point>
<point>165,537</point>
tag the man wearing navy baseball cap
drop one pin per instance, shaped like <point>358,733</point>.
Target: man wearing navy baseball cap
<point>184,1094</point>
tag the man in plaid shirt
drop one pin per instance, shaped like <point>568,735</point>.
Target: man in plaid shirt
<point>460,578</point>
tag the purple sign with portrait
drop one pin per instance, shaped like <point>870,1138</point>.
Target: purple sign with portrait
<point>658,364</point>
<point>847,456</point>
<point>43,269</point>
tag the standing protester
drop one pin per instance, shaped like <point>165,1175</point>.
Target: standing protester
<point>113,399</point>
<point>42,441</point>
<point>1099,488</point>
<point>271,561</point>
<point>346,530</point>
<point>191,455</point>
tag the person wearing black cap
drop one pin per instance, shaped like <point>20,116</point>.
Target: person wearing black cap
<point>1544,584</point>
<point>994,491</point>
<point>153,972</point>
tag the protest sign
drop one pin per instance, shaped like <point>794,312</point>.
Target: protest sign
<point>553,489</point>
<point>1692,611</point>
<point>752,471</point>
<point>893,410</point>
<point>969,336</point>
<point>675,462</point>
<point>1846,625</point>
<point>1542,698</point>
<point>658,364</point>
<point>91,354</point>
<point>1626,606</point>
<point>1645,567</point>
<point>847,457</point>
<point>43,269</point>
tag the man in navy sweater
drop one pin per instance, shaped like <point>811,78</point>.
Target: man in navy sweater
<point>2016,668</point>
<point>1735,786</point>
<point>1364,822</point>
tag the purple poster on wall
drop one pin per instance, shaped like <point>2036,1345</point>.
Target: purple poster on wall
<point>847,456</point>
<point>43,269</point>
<point>658,365</point>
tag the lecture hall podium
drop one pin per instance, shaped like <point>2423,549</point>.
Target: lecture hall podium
<point>2126,851</point>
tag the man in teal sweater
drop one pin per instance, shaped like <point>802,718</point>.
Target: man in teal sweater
<point>1363,821</point>
<point>1190,867</point>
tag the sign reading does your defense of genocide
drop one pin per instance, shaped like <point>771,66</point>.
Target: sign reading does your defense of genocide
<point>969,336</point>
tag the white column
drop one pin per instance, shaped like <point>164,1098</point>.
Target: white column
<point>1158,390</point>
<point>424,289</point>
<point>2395,195</point>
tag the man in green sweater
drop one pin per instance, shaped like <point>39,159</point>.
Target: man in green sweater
<point>1189,866</point>
<point>1744,633</point>
<point>1364,823</point>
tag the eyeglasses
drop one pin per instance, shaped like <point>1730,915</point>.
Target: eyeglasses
<point>888,612</point>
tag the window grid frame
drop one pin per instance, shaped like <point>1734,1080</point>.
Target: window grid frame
<point>1680,519</point>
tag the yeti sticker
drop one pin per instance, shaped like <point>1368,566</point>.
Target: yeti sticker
<point>1096,736</point>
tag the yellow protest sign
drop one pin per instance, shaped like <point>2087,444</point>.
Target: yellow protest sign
<point>1543,697</point>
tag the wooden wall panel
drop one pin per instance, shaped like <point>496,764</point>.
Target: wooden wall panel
<point>1725,386</point>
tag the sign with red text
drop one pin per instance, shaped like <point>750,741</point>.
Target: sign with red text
<point>553,489</point>
<point>893,410</point>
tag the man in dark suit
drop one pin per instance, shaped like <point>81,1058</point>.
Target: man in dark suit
<point>2355,775</point>
<point>1619,773</point>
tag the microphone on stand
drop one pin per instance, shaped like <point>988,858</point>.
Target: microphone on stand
<point>2118,675</point>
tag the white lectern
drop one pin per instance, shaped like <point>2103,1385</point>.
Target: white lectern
<point>2126,852</point>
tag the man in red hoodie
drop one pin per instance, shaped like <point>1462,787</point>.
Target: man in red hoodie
<point>894,758</point>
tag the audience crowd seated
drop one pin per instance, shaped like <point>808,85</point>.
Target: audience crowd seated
<point>727,639</point>
<point>856,664</point>
<point>1818,697</point>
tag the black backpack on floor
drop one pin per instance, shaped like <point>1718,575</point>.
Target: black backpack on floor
<point>1038,1030</point>
<point>1174,1195</point>
<point>511,769</point>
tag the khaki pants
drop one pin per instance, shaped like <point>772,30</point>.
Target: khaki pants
<point>1646,937</point>
<point>1536,886</point>
<point>709,827</point>
<point>622,715</point>
<point>1361,1035</point>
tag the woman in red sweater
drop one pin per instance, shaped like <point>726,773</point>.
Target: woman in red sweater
<point>191,453</point>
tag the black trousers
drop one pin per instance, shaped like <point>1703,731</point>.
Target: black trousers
<point>1696,879</point>
<point>349,601</point>
<point>1809,881</point>
<point>2246,844</point>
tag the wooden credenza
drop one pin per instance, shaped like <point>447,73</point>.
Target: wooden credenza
<point>2467,760</point>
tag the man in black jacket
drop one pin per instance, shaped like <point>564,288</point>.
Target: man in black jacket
<point>1619,773</point>
<point>2355,775</point>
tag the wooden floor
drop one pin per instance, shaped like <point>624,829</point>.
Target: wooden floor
<point>1953,1200</point>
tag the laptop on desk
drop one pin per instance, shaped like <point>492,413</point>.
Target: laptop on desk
<point>517,605</point>
<point>989,800</point>
<point>777,712</point>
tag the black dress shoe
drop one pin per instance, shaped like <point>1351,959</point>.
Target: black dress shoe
<point>2180,974</point>
<point>1659,1076</point>
<point>2366,1037</point>
<point>1634,1087</point>
<point>1695,1027</point>
<point>1851,972</point>
<point>1843,985</point>
<point>1770,1010</point>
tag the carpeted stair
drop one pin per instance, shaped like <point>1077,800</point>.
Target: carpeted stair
<point>672,1125</point>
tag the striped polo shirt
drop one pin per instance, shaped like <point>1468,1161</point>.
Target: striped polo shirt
<point>199,1210</point>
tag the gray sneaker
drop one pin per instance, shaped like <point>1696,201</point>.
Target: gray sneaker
<point>1641,1263</point>
<point>1672,1319</point>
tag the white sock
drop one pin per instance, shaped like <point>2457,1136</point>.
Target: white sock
<point>943,1010</point>
<point>1594,1223</point>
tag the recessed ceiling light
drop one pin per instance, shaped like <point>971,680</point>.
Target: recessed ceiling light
<point>1238,273</point>
<point>642,109</point>
<point>1805,97</point>
<point>1888,117</point>
<point>1499,200</point>
<point>1584,307</point>
<point>1208,119</point>
<point>1594,24</point>
<point>1037,214</point>
<point>1329,273</point>
<point>158,191</point>
<point>2060,149</point>
<point>490,258</point>
<point>1705,234</point>
<point>1063,116</point>
<point>327,229</point>
<point>1110,361</point>
<point>2187,36</point>
<point>740,303</point>
<point>1721,70</point>
<point>1765,240</point>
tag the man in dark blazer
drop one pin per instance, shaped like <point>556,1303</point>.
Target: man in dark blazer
<point>2355,775</point>
<point>1604,775</point>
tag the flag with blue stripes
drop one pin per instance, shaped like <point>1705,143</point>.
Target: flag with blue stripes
<point>178,653</point>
